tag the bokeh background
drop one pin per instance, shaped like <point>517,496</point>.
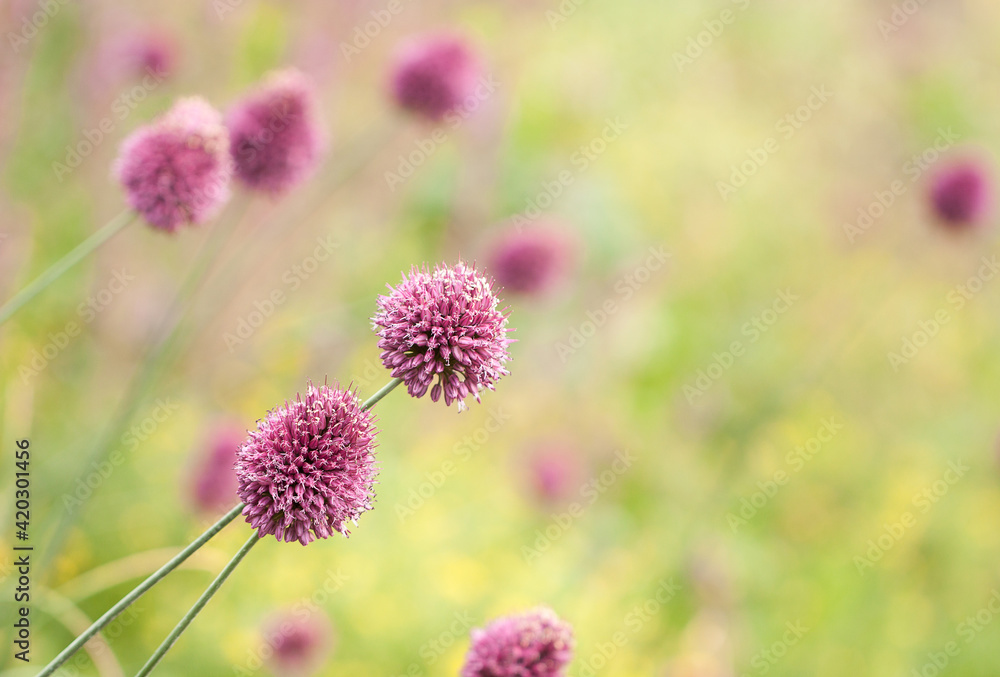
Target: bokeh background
<point>782,455</point>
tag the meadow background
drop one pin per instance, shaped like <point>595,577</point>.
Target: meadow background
<point>805,493</point>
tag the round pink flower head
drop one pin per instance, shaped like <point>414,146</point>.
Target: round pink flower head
<point>533,644</point>
<point>176,170</point>
<point>149,52</point>
<point>530,261</point>
<point>434,75</point>
<point>276,135</point>
<point>443,328</point>
<point>299,643</point>
<point>214,482</point>
<point>308,469</point>
<point>960,195</point>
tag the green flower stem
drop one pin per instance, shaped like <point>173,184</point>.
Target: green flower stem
<point>88,246</point>
<point>198,606</point>
<point>138,592</point>
<point>386,389</point>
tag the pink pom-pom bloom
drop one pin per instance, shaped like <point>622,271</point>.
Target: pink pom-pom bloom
<point>434,75</point>
<point>176,170</point>
<point>531,261</point>
<point>276,136</point>
<point>960,194</point>
<point>308,469</point>
<point>532,644</point>
<point>443,326</point>
<point>213,488</point>
<point>299,642</point>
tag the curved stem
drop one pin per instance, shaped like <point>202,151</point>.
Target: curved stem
<point>198,606</point>
<point>386,389</point>
<point>40,283</point>
<point>138,592</point>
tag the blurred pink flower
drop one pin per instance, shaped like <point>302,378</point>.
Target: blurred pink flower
<point>213,486</point>
<point>961,194</point>
<point>555,472</point>
<point>300,642</point>
<point>176,170</point>
<point>276,135</point>
<point>433,75</point>
<point>531,261</point>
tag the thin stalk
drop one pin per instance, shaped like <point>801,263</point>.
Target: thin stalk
<point>198,606</point>
<point>88,246</point>
<point>128,599</point>
<point>386,389</point>
<point>153,363</point>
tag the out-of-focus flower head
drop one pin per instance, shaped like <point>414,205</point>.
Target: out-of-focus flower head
<point>433,75</point>
<point>213,482</point>
<point>276,135</point>
<point>961,194</point>
<point>531,261</point>
<point>300,642</point>
<point>176,170</point>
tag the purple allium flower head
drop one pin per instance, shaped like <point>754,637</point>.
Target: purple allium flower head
<point>308,469</point>
<point>277,138</point>
<point>443,326</point>
<point>300,643</point>
<point>530,261</point>
<point>177,169</point>
<point>433,75</point>
<point>213,488</point>
<point>960,194</point>
<point>149,52</point>
<point>533,644</point>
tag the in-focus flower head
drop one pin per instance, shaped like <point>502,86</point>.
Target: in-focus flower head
<point>213,486</point>
<point>276,134</point>
<point>531,261</point>
<point>960,194</point>
<point>443,331</point>
<point>176,170</point>
<point>308,470</point>
<point>299,642</point>
<point>533,644</point>
<point>433,75</point>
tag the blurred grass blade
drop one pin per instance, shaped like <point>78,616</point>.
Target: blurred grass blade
<point>113,612</point>
<point>65,263</point>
